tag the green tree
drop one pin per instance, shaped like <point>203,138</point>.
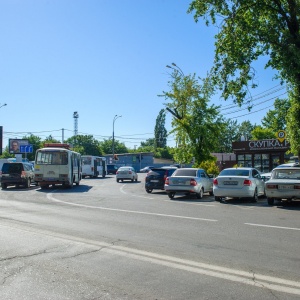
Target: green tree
<point>106,145</point>
<point>160,132</point>
<point>245,129</point>
<point>249,29</point>
<point>230,134</point>
<point>275,119</point>
<point>197,126</point>
<point>259,133</point>
<point>85,145</point>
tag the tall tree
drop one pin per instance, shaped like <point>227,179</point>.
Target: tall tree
<point>119,147</point>
<point>249,29</point>
<point>275,119</point>
<point>85,145</point>
<point>244,130</point>
<point>230,134</point>
<point>197,126</point>
<point>160,132</point>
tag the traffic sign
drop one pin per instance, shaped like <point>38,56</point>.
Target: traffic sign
<point>26,148</point>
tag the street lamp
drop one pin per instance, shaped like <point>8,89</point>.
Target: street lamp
<point>113,136</point>
<point>175,68</point>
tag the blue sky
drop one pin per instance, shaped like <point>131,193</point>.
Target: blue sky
<point>103,58</point>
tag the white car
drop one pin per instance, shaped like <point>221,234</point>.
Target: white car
<point>126,173</point>
<point>238,183</point>
<point>284,185</point>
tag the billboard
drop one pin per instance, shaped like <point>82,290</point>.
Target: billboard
<point>14,145</point>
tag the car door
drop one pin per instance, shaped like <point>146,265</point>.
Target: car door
<point>260,185</point>
<point>204,180</point>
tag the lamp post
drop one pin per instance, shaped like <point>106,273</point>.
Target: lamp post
<point>175,68</point>
<point>113,136</point>
<point>3,105</point>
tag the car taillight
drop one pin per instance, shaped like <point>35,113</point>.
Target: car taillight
<point>23,173</point>
<point>130,172</point>
<point>117,172</point>
<point>297,187</point>
<point>0,172</point>
<point>166,175</point>
<point>247,182</point>
<point>193,182</point>
<point>167,180</point>
<point>271,186</point>
<point>215,182</point>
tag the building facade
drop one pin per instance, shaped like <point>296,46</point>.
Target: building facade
<point>264,155</point>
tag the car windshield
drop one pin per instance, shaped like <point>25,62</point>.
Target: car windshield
<point>235,172</point>
<point>286,174</point>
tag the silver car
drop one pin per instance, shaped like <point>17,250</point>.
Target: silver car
<point>239,183</point>
<point>126,173</point>
<point>284,185</point>
<point>188,181</point>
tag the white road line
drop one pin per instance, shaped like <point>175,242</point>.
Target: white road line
<point>50,197</point>
<point>230,274</point>
<point>170,201</point>
<point>271,226</point>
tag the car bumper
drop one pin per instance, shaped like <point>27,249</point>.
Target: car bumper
<point>233,193</point>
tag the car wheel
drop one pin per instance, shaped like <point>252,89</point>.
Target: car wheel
<point>270,201</point>
<point>44,186</point>
<point>211,193</point>
<point>200,194</point>
<point>27,183</point>
<point>132,180</point>
<point>148,191</point>
<point>117,180</point>
<point>3,186</point>
<point>171,195</point>
<point>255,196</point>
<point>136,179</point>
<point>218,198</point>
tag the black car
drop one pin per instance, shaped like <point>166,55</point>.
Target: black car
<point>155,179</point>
<point>112,169</point>
<point>17,173</point>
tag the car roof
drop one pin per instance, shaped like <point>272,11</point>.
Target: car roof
<point>288,165</point>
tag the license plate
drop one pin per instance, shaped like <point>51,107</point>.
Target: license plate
<point>230,182</point>
<point>154,180</point>
<point>285,187</point>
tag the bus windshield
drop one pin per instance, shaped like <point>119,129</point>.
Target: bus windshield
<point>86,160</point>
<point>52,158</point>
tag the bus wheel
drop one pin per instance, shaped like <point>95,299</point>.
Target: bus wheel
<point>44,186</point>
<point>77,183</point>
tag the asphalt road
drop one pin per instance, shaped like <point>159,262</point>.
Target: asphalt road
<point>109,240</point>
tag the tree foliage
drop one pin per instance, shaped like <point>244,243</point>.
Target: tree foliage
<point>249,29</point>
<point>85,145</point>
<point>106,146</point>
<point>259,133</point>
<point>160,132</point>
<point>197,126</point>
<point>275,119</point>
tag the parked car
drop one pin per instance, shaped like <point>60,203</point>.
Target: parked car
<point>239,183</point>
<point>265,176</point>
<point>284,185</point>
<point>112,169</point>
<point>146,169</point>
<point>292,164</point>
<point>17,173</point>
<point>155,179</point>
<point>189,181</point>
<point>126,173</point>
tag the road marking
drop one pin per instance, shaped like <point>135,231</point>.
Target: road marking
<point>229,274</point>
<point>171,201</point>
<point>50,197</point>
<point>271,226</point>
